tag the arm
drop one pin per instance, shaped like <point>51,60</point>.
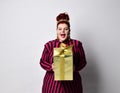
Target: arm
<point>81,59</point>
<point>44,61</point>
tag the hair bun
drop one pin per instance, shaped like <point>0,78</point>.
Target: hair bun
<point>62,16</point>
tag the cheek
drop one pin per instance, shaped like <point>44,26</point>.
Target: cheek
<point>67,32</point>
<point>58,32</point>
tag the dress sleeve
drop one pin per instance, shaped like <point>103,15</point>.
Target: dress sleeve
<point>81,59</point>
<point>44,61</point>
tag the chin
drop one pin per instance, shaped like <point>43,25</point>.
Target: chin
<point>63,39</point>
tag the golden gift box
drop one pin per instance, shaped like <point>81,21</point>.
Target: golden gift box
<point>63,63</point>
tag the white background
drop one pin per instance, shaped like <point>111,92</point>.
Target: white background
<point>26,25</point>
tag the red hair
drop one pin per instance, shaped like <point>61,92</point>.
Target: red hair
<point>63,18</point>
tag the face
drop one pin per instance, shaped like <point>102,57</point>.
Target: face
<point>63,32</point>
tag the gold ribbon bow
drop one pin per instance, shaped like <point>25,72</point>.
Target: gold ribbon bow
<point>63,62</point>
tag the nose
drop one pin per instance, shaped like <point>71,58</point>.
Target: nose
<point>63,30</point>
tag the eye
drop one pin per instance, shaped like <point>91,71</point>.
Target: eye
<point>66,29</point>
<point>59,29</point>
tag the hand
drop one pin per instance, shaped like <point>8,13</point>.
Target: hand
<point>52,65</point>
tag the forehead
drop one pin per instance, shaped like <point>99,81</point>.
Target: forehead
<point>62,25</point>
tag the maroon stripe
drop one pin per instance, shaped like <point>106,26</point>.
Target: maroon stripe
<point>56,86</point>
<point>50,83</point>
<point>45,82</point>
<point>45,66</point>
<point>68,86</point>
<point>70,43</point>
<point>51,55</point>
<point>59,87</point>
<point>53,85</point>
<point>82,58</point>
<point>75,45</point>
<point>57,44</point>
<point>66,89</point>
<point>81,51</point>
<point>47,47</point>
<point>80,89</point>
<point>77,42</point>
<point>43,54</point>
<point>45,62</point>
<point>76,83</point>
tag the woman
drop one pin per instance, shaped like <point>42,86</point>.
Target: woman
<point>46,61</point>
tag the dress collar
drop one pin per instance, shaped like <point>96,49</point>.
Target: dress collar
<point>67,42</point>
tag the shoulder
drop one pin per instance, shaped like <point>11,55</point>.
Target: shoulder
<point>50,44</point>
<point>76,42</point>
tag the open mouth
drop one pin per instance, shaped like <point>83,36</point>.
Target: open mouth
<point>63,35</point>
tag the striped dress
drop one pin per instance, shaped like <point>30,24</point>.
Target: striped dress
<point>79,61</point>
